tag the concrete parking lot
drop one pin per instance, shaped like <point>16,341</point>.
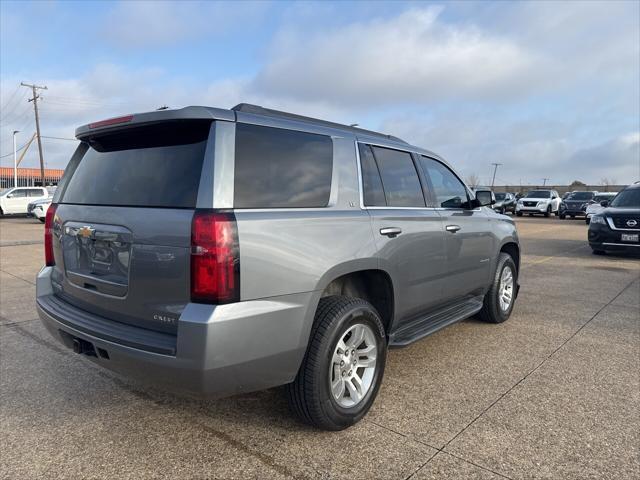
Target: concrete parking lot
<point>552,393</point>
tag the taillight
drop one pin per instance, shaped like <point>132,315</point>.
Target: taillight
<point>48,235</point>
<point>111,121</point>
<point>215,257</point>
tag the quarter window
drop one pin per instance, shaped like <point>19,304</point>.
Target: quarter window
<point>399,178</point>
<point>279,168</point>
<point>449,191</point>
<point>373,193</point>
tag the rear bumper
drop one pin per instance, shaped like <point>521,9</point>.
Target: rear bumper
<point>219,350</point>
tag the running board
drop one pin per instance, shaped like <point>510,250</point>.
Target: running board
<point>435,321</point>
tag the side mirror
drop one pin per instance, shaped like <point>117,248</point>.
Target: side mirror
<point>604,203</point>
<point>485,198</point>
<point>10,195</point>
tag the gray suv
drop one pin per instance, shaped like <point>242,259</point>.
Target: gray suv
<point>226,251</point>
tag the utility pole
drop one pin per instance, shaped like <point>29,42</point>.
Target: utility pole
<point>544,181</point>
<point>495,169</point>
<point>15,160</point>
<point>33,88</point>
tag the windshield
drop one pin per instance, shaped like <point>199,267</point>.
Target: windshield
<point>539,194</point>
<point>3,192</point>
<point>581,196</point>
<point>501,196</point>
<point>629,198</point>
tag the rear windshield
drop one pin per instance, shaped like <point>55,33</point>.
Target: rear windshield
<point>149,166</point>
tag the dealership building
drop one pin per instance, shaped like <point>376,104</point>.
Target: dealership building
<point>29,177</point>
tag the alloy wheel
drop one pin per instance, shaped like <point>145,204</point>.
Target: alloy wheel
<point>353,365</point>
<point>505,290</point>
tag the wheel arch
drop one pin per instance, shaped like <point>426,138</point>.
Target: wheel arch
<point>362,278</point>
<point>512,248</point>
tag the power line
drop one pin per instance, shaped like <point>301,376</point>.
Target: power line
<point>11,96</point>
<point>6,114</point>
<point>61,138</point>
<point>17,150</point>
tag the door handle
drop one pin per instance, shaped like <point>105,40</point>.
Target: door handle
<point>391,232</point>
<point>453,228</point>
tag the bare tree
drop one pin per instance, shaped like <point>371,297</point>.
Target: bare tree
<point>473,180</point>
<point>607,183</point>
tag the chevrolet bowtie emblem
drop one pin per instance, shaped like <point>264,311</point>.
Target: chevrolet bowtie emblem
<point>85,232</point>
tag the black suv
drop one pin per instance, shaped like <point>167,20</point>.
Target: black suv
<point>576,204</point>
<point>617,227</point>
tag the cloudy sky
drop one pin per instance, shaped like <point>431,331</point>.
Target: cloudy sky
<point>549,89</point>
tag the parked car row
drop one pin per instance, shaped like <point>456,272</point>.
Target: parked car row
<point>547,202</point>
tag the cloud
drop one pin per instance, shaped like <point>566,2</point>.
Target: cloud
<point>548,89</point>
<point>142,24</point>
<point>412,57</point>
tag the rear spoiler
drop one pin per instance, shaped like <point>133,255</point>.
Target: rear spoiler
<point>137,119</point>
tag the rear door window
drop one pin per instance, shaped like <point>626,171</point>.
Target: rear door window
<point>149,166</point>
<point>279,168</point>
<point>400,180</point>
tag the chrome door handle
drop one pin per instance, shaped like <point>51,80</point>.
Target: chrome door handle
<point>391,232</point>
<point>453,228</point>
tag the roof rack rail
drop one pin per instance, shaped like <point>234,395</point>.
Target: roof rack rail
<point>268,112</point>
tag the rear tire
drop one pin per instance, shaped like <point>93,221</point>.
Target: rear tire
<point>321,395</point>
<point>41,220</point>
<point>598,252</point>
<point>493,309</point>
<point>562,216</point>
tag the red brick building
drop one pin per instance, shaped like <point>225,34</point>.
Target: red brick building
<point>29,177</point>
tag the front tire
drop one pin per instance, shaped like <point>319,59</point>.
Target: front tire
<point>548,212</point>
<point>343,367</point>
<point>518,214</point>
<point>499,300</point>
<point>598,252</point>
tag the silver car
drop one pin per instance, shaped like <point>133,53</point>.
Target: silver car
<point>226,251</point>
